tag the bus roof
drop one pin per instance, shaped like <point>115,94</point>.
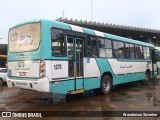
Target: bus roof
<point>67,26</point>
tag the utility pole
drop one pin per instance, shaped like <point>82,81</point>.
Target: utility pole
<point>91,10</point>
<point>63,14</point>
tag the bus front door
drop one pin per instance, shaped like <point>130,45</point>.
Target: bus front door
<point>75,61</point>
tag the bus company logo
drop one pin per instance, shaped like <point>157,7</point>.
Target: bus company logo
<point>20,64</point>
<point>13,36</point>
<point>6,114</point>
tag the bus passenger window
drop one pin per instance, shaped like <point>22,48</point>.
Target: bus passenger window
<point>58,44</point>
<point>142,53</point>
<point>118,49</point>
<point>139,52</point>
<point>127,49</point>
<point>108,46</point>
<point>146,52</point>
<point>132,51</point>
<point>92,46</point>
<point>101,47</point>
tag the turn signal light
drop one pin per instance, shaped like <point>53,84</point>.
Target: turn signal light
<point>42,69</point>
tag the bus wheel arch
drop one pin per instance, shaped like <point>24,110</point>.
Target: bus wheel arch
<point>106,83</point>
<point>147,74</point>
<point>109,74</point>
<point>147,77</point>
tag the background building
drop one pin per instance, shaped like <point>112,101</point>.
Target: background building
<point>141,34</point>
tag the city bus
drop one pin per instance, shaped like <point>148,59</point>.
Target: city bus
<point>157,55</point>
<point>60,58</point>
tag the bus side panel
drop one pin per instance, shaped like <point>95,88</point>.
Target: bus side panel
<point>130,77</point>
<point>128,71</point>
<point>62,87</point>
<point>45,43</point>
<point>127,66</point>
<point>91,74</point>
<point>59,87</point>
<point>79,83</point>
<point>104,66</point>
<point>70,85</point>
<point>59,69</point>
<point>92,83</point>
<point>123,76</point>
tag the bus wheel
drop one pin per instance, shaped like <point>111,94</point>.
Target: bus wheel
<point>105,85</point>
<point>1,82</point>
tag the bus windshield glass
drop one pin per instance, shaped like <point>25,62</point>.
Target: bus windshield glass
<point>24,38</point>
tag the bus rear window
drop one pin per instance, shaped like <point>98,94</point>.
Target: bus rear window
<point>24,38</point>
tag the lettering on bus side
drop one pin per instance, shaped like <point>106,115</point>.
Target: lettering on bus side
<point>57,66</point>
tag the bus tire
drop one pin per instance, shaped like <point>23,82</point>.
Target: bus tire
<point>1,82</point>
<point>106,85</point>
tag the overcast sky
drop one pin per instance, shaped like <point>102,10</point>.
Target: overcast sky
<point>139,13</point>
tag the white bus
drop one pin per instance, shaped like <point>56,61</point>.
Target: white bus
<point>68,59</point>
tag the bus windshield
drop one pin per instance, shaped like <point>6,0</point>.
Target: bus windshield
<point>24,38</point>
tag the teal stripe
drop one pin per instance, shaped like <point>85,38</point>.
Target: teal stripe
<point>119,79</point>
<point>88,31</point>
<point>104,66</point>
<point>91,83</point>
<point>61,25</point>
<point>134,60</point>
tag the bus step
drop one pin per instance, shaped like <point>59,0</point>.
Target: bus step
<point>76,91</point>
